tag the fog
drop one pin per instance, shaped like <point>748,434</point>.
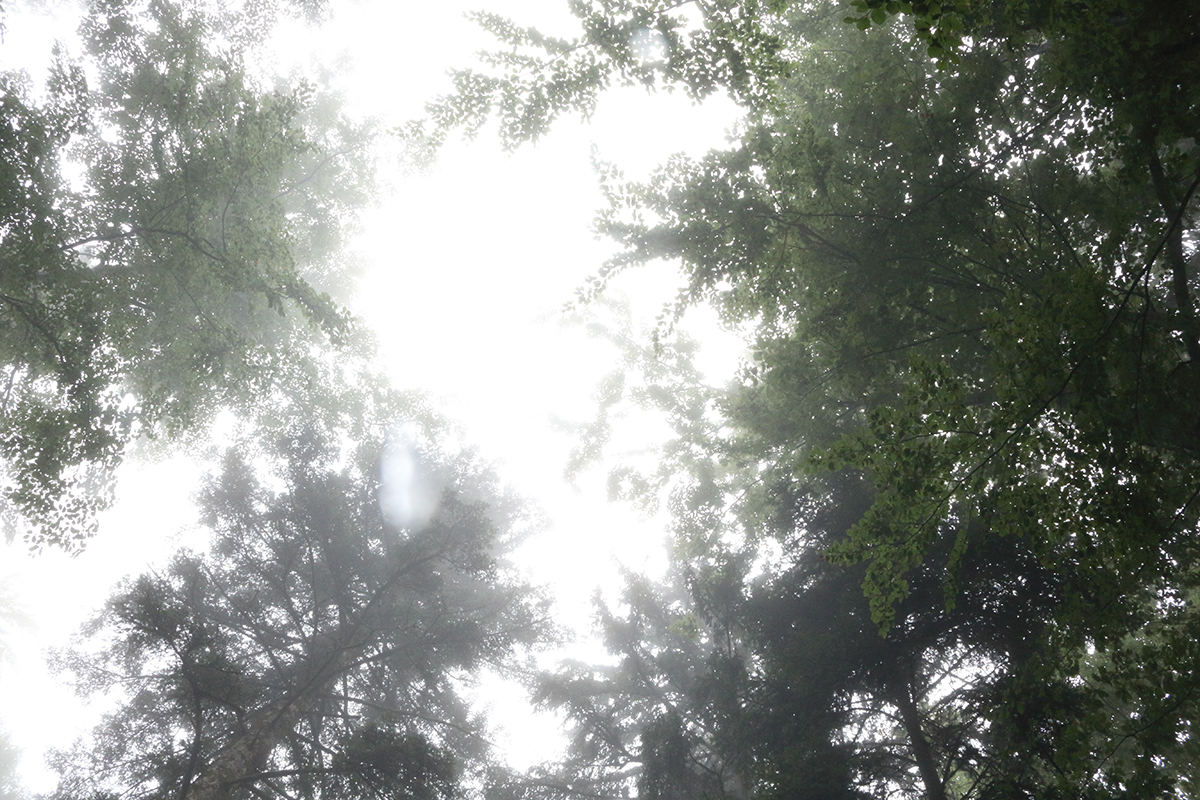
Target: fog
<point>463,272</point>
<point>733,400</point>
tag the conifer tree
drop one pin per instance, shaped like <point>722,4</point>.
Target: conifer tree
<point>320,648</point>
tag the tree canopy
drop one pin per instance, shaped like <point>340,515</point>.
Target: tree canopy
<point>965,246</point>
<point>165,224</point>
<point>937,540</point>
<point>319,648</point>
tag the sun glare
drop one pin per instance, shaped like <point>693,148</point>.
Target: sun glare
<point>649,46</point>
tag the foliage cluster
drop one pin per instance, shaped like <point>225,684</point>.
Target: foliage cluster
<point>318,649</point>
<point>163,280</point>
<point>171,232</point>
<point>939,539</point>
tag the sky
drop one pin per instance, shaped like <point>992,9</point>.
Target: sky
<point>467,270</point>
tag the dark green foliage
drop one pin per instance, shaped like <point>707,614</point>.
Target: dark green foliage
<point>966,252</point>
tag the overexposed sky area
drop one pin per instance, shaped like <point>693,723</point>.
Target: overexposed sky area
<point>467,269</point>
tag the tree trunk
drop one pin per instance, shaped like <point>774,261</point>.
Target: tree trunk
<point>921,750</point>
<point>245,757</point>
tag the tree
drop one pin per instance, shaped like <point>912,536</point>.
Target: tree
<point>165,282</point>
<point>969,280</point>
<point>660,718</point>
<point>319,649</point>
<point>533,79</point>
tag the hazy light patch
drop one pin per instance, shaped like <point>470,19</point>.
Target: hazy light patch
<point>409,493</point>
<point>141,532</point>
<point>74,173</point>
<point>31,31</point>
<point>224,428</point>
<point>476,261</point>
<point>637,131</point>
<point>394,57</point>
<point>471,266</point>
<point>649,46</point>
<point>723,350</point>
<point>527,736</point>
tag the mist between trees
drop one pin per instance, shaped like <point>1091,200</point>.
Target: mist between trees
<point>938,539</point>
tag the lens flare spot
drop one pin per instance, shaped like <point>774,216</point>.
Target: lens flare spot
<point>409,493</point>
<point>649,46</point>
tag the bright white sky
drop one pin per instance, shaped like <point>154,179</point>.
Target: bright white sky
<point>468,269</point>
